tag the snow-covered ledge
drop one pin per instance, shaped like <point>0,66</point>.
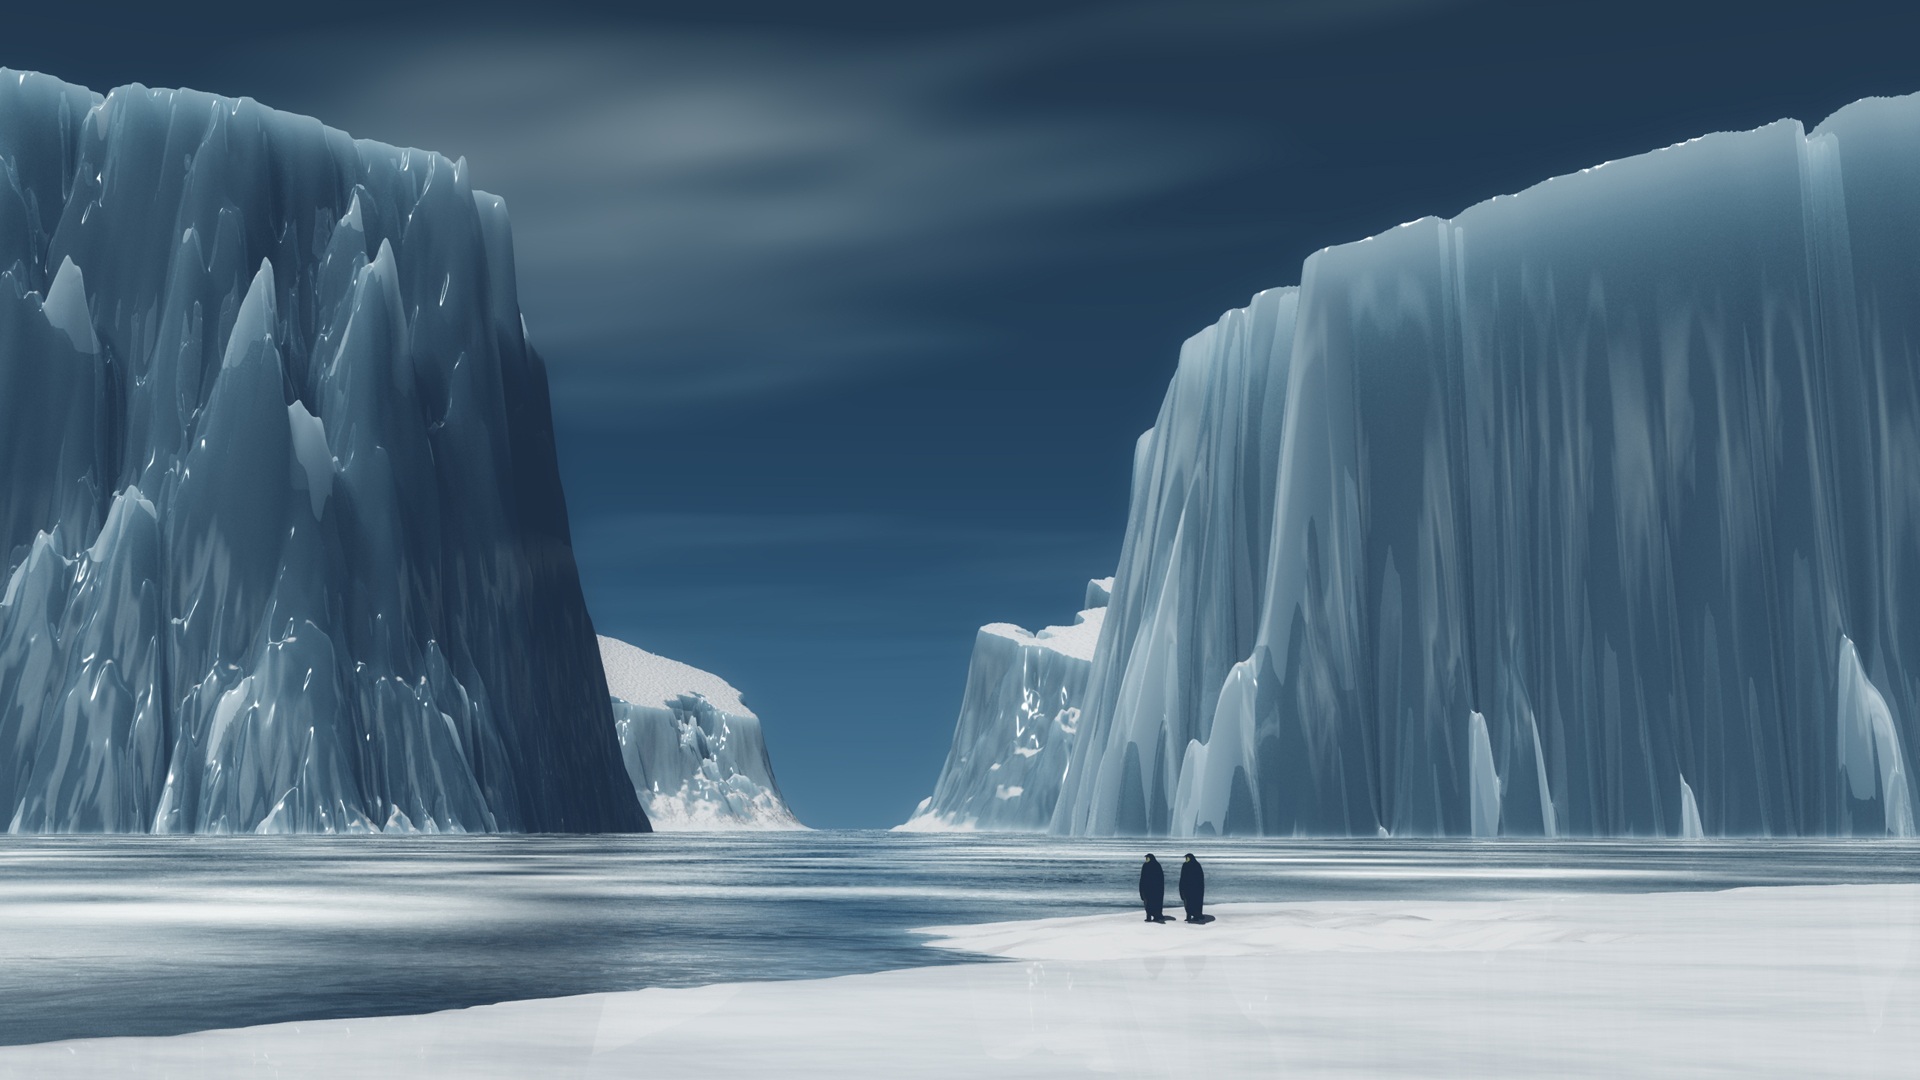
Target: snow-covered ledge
<point>692,748</point>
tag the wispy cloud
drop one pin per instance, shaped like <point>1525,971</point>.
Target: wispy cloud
<point>704,213</point>
<point>733,215</point>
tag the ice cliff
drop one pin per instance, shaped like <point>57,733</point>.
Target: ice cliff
<point>1018,720</point>
<point>692,748</point>
<point>284,538</point>
<point>1594,510</point>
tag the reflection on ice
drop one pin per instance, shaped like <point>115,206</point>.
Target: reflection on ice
<point>1787,982</point>
<point>268,929</point>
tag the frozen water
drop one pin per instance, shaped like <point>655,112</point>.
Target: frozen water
<point>283,538</point>
<point>692,748</point>
<point>1590,511</point>
<point>1785,982</point>
<point>1018,719</point>
<point>101,933</point>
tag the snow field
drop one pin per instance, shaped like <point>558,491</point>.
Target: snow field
<point>1790,981</point>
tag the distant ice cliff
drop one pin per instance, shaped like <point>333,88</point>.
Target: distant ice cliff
<point>692,748</point>
<point>1018,720</point>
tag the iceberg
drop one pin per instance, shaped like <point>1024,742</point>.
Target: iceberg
<point>1018,720</point>
<point>285,544</point>
<point>692,748</point>
<point>1593,510</point>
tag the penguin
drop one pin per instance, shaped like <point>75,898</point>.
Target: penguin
<point>1153,888</point>
<point>1193,886</point>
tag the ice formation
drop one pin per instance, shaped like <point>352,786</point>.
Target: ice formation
<point>285,545</point>
<point>692,748</point>
<point>1018,719</point>
<point>1594,510</point>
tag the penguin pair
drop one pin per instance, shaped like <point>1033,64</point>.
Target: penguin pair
<point>1153,888</point>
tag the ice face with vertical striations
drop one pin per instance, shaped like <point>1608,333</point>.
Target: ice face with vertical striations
<point>285,545</point>
<point>1186,601</point>
<point>1018,720</point>
<point>1594,510</point>
<point>693,750</point>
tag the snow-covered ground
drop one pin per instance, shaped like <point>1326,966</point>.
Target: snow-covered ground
<point>1784,981</point>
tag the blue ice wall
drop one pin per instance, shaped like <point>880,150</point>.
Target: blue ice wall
<point>1018,721</point>
<point>282,523</point>
<point>1594,510</point>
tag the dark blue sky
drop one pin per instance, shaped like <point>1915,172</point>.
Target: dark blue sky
<point>853,312</point>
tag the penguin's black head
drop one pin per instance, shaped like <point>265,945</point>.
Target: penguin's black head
<point>1149,856</point>
<point>1189,856</point>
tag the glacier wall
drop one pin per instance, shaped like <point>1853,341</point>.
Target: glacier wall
<point>693,750</point>
<point>1019,717</point>
<point>284,538</point>
<point>1594,510</point>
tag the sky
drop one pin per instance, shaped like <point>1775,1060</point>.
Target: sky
<point>853,312</point>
